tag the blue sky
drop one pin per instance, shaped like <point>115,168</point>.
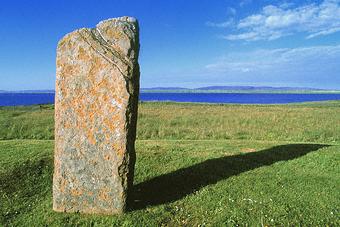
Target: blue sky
<point>184,43</point>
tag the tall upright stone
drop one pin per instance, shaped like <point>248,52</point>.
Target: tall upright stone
<point>97,87</point>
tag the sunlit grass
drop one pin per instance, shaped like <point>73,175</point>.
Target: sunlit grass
<point>316,122</point>
<point>197,165</point>
<point>188,183</point>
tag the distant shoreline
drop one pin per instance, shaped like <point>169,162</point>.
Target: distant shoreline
<point>242,90</point>
<point>246,91</point>
<point>16,99</point>
<point>194,91</point>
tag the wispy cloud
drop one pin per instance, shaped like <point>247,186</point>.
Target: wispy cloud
<point>315,66</point>
<point>273,59</point>
<point>224,24</point>
<point>244,2</point>
<point>231,11</point>
<point>274,22</point>
<point>294,65</point>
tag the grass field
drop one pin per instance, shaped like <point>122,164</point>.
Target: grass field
<point>313,122</point>
<point>197,165</point>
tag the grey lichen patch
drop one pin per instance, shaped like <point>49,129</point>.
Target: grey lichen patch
<point>97,87</point>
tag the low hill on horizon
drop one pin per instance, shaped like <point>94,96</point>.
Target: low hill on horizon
<point>235,89</point>
<point>255,88</point>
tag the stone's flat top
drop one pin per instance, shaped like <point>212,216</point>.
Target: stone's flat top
<point>119,19</point>
<point>114,22</point>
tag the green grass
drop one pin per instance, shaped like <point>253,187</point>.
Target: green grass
<point>308,122</point>
<point>31,122</point>
<point>313,122</point>
<point>264,177</point>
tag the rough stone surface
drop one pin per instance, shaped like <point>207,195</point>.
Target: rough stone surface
<point>97,87</point>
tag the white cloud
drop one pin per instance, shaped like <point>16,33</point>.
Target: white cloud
<point>307,59</point>
<point>324,32</point>
<point>315,66</point>
<point>277,21</point>
<point>286,5</point>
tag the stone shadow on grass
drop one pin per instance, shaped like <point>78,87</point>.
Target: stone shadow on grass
<point>182,182</point>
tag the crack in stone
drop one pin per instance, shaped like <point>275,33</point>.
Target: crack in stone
<point>99,37</point>
<point>101,54</point>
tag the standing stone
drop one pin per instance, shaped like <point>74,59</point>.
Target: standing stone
<point>96,101</point>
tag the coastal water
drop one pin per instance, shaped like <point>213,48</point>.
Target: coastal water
<point>25,99</point>
<point>16,99</point>
<point>241,98</point>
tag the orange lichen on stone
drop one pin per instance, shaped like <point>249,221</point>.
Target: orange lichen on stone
<point>105,98</point>
<point>107,157</point>
<point>114,34</point>
<point>62,185</point>
<point>71,70</point>
<point>67,125</point>
<point>82,55</point>
<point>110,123</point>
<point>96,65</point>
<point>104,194</point>
<point>76,192</point>
<point>91,137</point>
<point>120,151</point>
<point>95,117</point>
<point>91,117</point>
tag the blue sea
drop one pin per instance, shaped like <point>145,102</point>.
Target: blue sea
<point>16,99</point>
